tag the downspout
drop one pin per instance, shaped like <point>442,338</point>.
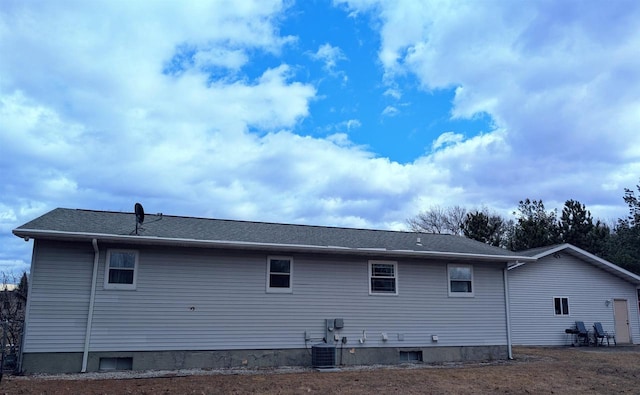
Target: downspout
<point>508,314</point>
<point>87,337</point>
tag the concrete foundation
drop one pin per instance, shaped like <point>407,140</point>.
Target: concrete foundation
<point>173,360</point>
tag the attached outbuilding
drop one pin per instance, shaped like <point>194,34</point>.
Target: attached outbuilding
<point>109,291</point>
<point>566,284</point>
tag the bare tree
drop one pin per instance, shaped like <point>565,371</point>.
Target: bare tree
<point>455,219</point>
<point>428,221</point>
<point>13,301</point>
<point>439,220</point>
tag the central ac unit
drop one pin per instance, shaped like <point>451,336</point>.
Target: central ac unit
<point>323,355</point>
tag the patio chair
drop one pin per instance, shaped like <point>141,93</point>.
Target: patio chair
<point>600,334</point>
<point>582,334</point>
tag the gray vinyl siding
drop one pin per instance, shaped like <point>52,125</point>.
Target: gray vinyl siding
<point>60,285</point>
<point>534,285</point>
<point>200,299</point>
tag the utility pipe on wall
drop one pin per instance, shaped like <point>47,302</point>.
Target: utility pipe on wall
<point>87,336</point>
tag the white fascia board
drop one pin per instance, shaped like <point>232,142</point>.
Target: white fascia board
<point>515,264</point>
<point>553,250</point>
<point>595,260</point>
<point>167,241</point>
<point>605,263</point>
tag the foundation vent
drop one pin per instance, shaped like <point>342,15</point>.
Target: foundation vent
<point>323,356</point>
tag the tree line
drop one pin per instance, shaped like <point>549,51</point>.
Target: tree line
<point>534,226</point>
<point>13,301</point>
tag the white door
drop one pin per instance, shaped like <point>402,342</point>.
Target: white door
<point>621,316</point>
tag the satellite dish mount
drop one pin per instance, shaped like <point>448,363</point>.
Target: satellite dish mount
<point>139,216</point>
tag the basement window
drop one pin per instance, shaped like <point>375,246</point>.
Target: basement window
<point>117,363</point>
<point>410,356</point>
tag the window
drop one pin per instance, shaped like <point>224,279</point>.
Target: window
<point>116,363</point>
<point>121,269</point>
<point>561,306</point>
<point>460,280</point>
<point>279,274</point>
<point>410,356</point>
<point>383,278</point>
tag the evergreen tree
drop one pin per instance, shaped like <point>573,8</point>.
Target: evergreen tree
<point>630,198</point>
<point>484,227</point>
<point>623,247</point>
<point>535,227</point>
<point>577,227</point>
<point>23,285</point>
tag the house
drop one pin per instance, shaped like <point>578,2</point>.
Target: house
<point>567,284</point>
<point>110,292</point>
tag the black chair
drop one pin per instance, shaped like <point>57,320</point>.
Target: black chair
<point>600,334</point>
<point>582,333</point>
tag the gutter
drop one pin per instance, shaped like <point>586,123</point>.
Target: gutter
<point>248,245</point>
<point>87,336</point>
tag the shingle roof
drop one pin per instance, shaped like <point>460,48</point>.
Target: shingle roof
<point>78,222</point>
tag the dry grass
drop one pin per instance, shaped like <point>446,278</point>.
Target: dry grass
<point>534,370</point>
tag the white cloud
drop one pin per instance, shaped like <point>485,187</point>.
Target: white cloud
<point>446,139</point>
<point>559,81</point>
<point>353,124</point>
<point>120,106</point>
<point>390,111</point>
<point>349,125</point>
<point>116,104</point>
<point>221,57</point>
<point>329,55</point>
<point>339,139</point>
<point>394,93</point>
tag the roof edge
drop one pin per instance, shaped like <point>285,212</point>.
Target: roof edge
<point>555,249</point>
<point>167,241</point>
<point>587,254</point>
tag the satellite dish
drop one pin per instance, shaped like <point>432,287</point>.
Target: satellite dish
<point>139,213</point>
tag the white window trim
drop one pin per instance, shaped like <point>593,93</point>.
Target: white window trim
<point>395,271</point>
<point>568,306</point>
<point>107,284</point>
<point>279,290</point>
<point>460,294</point>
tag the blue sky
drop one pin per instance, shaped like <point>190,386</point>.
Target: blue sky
<point>340,57</point>
<point>346,113</point>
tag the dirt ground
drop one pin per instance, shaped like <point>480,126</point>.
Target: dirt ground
<point>585,370</point>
